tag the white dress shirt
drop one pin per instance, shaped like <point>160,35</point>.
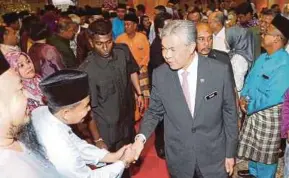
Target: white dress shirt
<point>192,77</point>
<point>240,68</point>
<point>219,41</point>
<point>25,164</point>
<point>69,154</point>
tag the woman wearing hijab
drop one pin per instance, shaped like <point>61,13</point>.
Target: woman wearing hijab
<point>240,43</point>
<point>23,65</point>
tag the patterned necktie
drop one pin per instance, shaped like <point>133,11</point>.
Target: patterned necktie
<point>185,86</point>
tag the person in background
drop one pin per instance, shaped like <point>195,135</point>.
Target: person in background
<point>118,23</point>
<point>240,43</point>
<point>194,15</point>
<point>157,59</point>
<point>67,96</point>
<point>140,48</point>
<point>12,20</point>
<point>61,41</point>
<point>276,8</point>
<point>8,40</point>
<point>216,22</point>
<point>77,28</point>
<point>261,100</point>
<point>285,131</point>
<point>145,26</point>
<point>23,65</point>
<point>113,76</point>
<point>140,10</point>
<point>19,146</point>
<point>25,41</point>
<point>46,58</point>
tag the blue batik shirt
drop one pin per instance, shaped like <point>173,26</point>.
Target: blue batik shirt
<point>267,81</point>
<point>117,27</point>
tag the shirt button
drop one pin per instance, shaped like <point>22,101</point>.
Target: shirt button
<point>193,130</point>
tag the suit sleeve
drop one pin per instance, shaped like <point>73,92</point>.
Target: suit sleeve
<point>230,116</point>
<point>155,112</point>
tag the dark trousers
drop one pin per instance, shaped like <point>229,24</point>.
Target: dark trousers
<point>159,132</point>
<point>116,146</point>
<point>197,173</point>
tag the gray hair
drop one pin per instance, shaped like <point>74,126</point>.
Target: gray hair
<point>184,29</point>
<point>220,17</point>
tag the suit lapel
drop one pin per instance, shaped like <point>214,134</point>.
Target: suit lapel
<point>201,83</point>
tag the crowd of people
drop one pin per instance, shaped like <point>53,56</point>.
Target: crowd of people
<point>209,81</point>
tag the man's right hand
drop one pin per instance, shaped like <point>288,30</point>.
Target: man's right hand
<point>128,156</point>
<point>138,146</point>
<point>243,104</point>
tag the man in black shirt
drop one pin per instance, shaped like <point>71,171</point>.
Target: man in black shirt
<point>111,71</point>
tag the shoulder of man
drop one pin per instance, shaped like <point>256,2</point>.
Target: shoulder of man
<point>84,66</point>
<point>219,56</point>
<point>121,47</point>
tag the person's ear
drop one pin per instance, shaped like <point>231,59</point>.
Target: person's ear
<point>90,42</point>
<point>192,48</point>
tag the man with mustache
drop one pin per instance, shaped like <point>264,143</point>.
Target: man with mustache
<point>20,153</point>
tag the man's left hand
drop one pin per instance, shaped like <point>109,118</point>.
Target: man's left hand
<point>229,164</point>
<point>140,103</point>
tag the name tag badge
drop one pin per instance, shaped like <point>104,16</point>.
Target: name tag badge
<point>212,95</point>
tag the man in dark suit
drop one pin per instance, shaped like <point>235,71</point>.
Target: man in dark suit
<point>195,97</point>
<point>157,59</point>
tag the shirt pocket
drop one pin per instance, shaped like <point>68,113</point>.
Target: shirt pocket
<point>105,89</point>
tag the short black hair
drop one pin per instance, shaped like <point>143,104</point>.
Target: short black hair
<point>268,12</point>
<point>3,31</point>
<point>141,8</point>
<point>161,8</point>
<point>99,27</point>
<point>131,10</point>
<point>39,31</point>
<point>159,21</point>
<point>274,6</point>
<point>244,8</point>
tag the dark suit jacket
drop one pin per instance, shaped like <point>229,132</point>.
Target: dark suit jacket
<point>63,47</point>
<point>207,137</point>
<point>222,57</point>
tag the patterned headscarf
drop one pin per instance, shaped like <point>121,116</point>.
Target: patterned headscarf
<point>31,85</point>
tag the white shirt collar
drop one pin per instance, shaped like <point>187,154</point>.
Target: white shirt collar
<point>221,33</point>
<point>193,66</point>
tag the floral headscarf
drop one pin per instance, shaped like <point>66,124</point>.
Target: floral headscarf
<point>31,85</point>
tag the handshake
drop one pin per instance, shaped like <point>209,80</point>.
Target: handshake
<point>129,153</point>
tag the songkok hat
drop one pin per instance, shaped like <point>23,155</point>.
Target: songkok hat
<point>131,17</point>
<point>10,18</point>
<point>282,24</point>
<point>4,65</point>
<point>65,87</point>
<point>94,11</point>
<point>121,6</point>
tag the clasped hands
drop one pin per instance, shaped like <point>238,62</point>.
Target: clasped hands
<point>129,153</point>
